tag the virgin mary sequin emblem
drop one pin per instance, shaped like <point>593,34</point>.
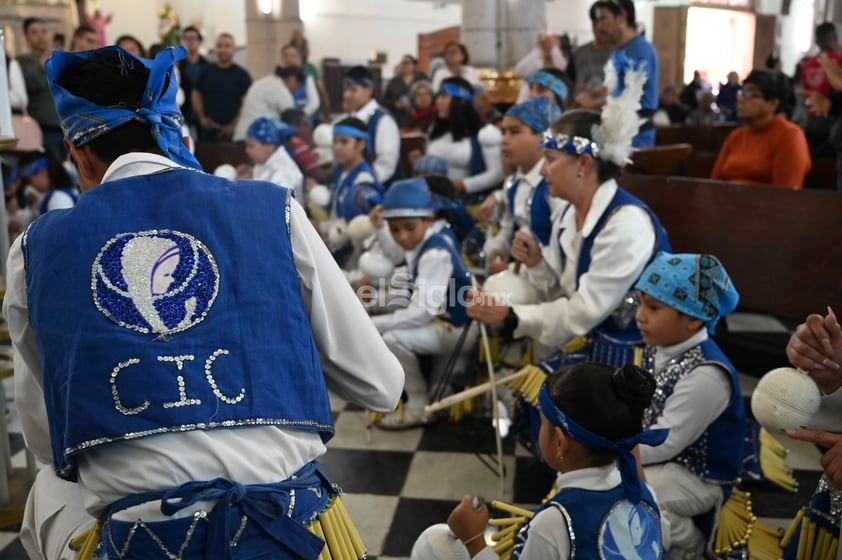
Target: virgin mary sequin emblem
<point>158,281</point>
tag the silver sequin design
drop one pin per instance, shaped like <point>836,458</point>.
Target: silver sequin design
<point>156,281</point>
<point>694,457</point>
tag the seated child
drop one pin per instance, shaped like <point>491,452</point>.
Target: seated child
<point>525,196</point>
<point>590,423</point>
<point>266,147</point>
<point>698,397</point>
<point>432,319</point>
<point>355,188</point>
<point>50,186</point>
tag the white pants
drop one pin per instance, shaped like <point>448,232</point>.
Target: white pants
<point>682,495</point>
<point>53,516</point>
<point>436,338</point>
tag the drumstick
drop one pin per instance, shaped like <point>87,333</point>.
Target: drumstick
<point>472,392</point>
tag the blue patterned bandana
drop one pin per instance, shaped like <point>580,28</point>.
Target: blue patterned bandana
<point>270,131</point>
<point>628,464</point>
<point>538,114</point>
<point>696,285</point>
<point>555,85</point>
<point>430,165</point>
<point>83,120</point>
<point>409,198</point>
<point>345,130</point>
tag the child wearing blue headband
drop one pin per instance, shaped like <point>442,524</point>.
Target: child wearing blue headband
<point>354,184</point>
<point>266,146</point>
<point>433,318</point>
<point>699,399</point>
<point>590,425</point>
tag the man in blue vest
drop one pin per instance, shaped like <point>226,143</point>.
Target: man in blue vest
<point>172,364</point>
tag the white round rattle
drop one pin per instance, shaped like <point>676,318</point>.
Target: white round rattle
<point>360,228</point>
<point>375,265</point>
<point>337,235</point>
<point>510,288</point>
<point>226,171</point>
<point>785,398</point>
<point>319,195</point>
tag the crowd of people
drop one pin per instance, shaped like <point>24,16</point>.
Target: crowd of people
<point>175,387</point>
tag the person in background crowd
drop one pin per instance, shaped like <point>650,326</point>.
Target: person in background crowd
<point>692,91</point>
<point>310,69</point>
<point>306,94</point>
<point>726,99</point>
<point>768,149</point>
<point>84,39</point>
<point>131,44</point>
<point>41,106</point>
<point>396,94</point>
<point>586,67</point>
<point>422,106</point>
<point>456,60</point>
<point>814,78</point>
<point>190,68</point>
<point>616,19</point>
<point>218,95</point>
<point>675,111</point>
<point>546,54</point>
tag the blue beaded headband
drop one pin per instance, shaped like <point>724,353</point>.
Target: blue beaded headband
<point>572,145</point>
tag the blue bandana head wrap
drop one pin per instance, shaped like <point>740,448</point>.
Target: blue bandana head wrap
<point>347,130</point>
<point>538,114</point>
<point>409,198</point>
<point>453,90</point>
<point>430,165</point>
<point>552,83</point>
<point>270,131</point>
<point>83,120</point>
<point>628,464</point>
<point>29,169</point>
<point>696,285</point>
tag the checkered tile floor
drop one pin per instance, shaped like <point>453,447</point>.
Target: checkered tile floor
<point>399,483</point>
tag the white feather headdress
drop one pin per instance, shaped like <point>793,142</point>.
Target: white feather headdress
<point>624,81</point>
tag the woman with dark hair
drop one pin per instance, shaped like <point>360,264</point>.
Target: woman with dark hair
<point>591,417</point>
<point>421,102</point>
<point>472,151</point>
<point>456,65</point>
<point>131,44</point>
<point>768,149</point>
<point>396,95</point>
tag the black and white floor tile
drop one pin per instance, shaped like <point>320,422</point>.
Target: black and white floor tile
<point>399,483</point>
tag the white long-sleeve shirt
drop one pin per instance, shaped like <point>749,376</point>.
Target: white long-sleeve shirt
<point>387,141</point>
<point>458,156</point>
<point>529,181</point>
<point>429,295</point>
<point>619,254</point>
<point>266,97</point>
<point>18,97</point>
<point>468,73</point>
<point>697,400</point>
<point>356,362</point>
<point>281,169</point>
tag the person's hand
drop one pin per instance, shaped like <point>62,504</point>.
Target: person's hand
<point>413,156</point>
<point>376,217</point>
<point>459,186</point>
<point>484,307</point>
<point>831,461</point>
<point>309,183</point>
<point>486,209</point>
<point>816,346</point>
<point>498,260</point>
<point>466,523</point>
<point>587,100</point>
<point>817,103</point>
<point>525,249</point>
<point>227,131</point>
<point>206,123</point>
<point>832,70</point>
<point>244,171</point>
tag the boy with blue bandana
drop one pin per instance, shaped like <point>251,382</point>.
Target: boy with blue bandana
<point>266,147</point>
<point>698,399</point>
<point>175,382</point>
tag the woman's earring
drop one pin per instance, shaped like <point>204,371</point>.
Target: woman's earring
<point>580,174</point>
<point>559,457</point>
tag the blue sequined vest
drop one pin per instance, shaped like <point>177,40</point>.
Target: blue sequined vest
<point>459,282</point>
<point>538,209</point>
<point>604,525</point>
<point>717,455</point>
<point>155,310</point>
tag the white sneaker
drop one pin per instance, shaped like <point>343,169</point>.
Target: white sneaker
<point>405,419</point>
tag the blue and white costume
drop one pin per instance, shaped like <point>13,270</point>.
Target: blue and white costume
<point>433,317</point>
<point>148,286</point>
<point>698,399</point>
